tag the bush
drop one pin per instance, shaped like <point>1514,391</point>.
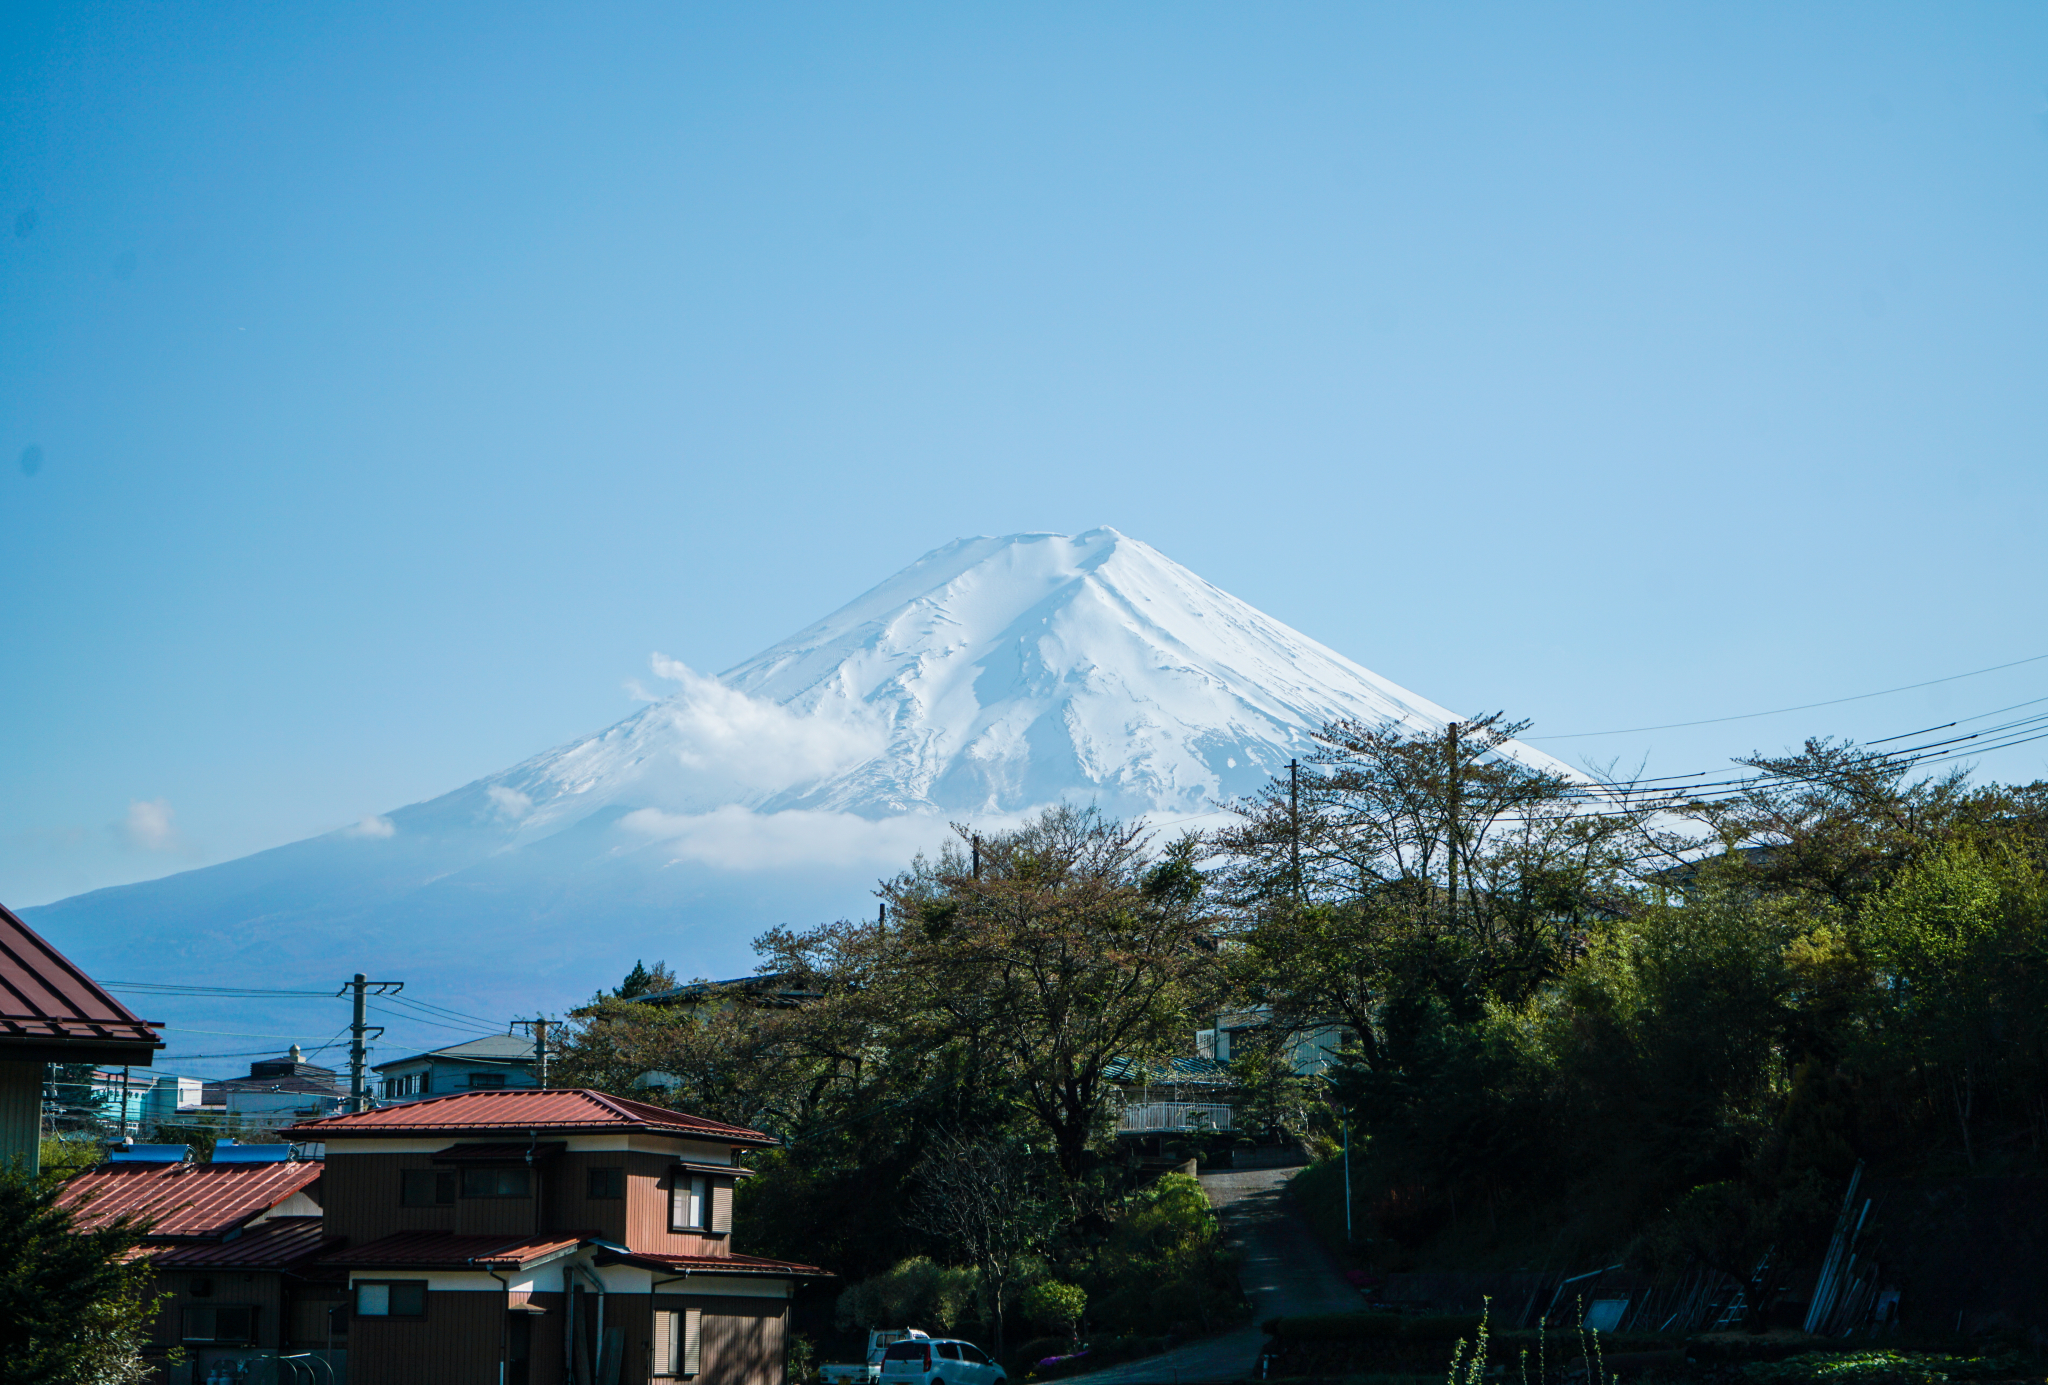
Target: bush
<point>917,1293</point>
<point>1879,1368</point>
<point>1056,1307</point>
<point>1163,1262</point>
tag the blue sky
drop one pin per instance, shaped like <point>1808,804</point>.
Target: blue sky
<point>382,384</point>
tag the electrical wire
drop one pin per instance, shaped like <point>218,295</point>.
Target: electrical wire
<point>1780,711</point>
<point>223,992</point>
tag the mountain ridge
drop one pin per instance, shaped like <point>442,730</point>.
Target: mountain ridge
<point>992,676</point>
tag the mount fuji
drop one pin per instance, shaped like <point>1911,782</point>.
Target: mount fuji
<point>988,678</point>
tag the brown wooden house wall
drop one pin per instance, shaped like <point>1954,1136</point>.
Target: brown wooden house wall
<point>458,1342</point>
<point>361,1197</point>
<point>263,1288</point>
<point>743,1342</point>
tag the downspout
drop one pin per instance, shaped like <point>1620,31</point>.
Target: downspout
<point>504,1324</point>
<point>569,1323</point>
<point>597,1354</point>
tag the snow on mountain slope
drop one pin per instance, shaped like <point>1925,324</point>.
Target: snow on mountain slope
<point>988,677</point>
<point>991,676</point>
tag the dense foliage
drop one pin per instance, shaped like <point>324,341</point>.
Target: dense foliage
<point>940,1073</point>
<point>1578,1020</point>
<point>73,1310</point>
<point>1604,1041</point>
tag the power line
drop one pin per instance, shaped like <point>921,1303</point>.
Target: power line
<point>224,992</point>
<point>1779,711</point>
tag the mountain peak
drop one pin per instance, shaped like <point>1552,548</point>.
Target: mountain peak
<point>989,677</point>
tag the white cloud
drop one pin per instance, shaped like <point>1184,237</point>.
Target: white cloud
<point>371,826</point>
<point>721,733</point>
<point>738,838</point>
<point>149,825</point>
<point>512,803</point>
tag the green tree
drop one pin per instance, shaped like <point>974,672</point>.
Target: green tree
<point>1035,957</point>
<point>73,1311</point>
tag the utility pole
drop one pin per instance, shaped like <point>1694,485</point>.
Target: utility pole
<point>358,1055</point>
<point>540,1046</point>
<point>1294,820</point>
<point>1451,810</point>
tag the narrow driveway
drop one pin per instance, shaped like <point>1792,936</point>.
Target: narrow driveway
<point>1281,1266</point>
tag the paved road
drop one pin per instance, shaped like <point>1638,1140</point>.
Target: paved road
<point>1281,1266</point>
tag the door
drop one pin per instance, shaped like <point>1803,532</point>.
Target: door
<point>518,1347</point>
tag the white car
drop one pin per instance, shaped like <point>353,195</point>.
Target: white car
<point>938,1361</point>
<point>869,1370</point>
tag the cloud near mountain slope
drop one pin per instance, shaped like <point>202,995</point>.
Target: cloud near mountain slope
<point>992,676</point>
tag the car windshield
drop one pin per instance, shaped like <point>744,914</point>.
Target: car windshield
<point>904,1351</point>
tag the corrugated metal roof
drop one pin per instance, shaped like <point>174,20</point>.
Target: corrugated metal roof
<point>272,1245</point>
<point>184,1200</point>
<point>724,1264</point>
<point>521,1109</point>
<point>45,1001</point>
<point>447,1250</point>
<point>510,1048</point>
<point>1203,1071</point>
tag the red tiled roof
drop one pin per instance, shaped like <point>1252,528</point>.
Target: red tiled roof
<point>447,1250</point>
<point>523,1109</point>
<point>272,1245</point>
<point>725,1264</point>
<point>47,1002</point>
<point>184,1200</point>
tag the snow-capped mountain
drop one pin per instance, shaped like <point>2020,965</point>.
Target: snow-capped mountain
<point>988,677</point>
<point>991,676</point>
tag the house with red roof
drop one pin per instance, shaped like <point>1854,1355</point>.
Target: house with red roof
<point>547,1237</point>
<point>236,1246</point>
<point>51,1012</point>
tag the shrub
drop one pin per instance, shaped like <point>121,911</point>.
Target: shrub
<point>1162,1262</point>
<point>1056,1307</point>
<point>916,1293</point>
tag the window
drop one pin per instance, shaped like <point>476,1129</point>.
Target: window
<point>607,1183</point>
<point>512,1182</point>
<point>678,1342</point>
<point>971,1352</point>
<point>949,1351</point>
<point>426,1187</point>
<point>486,1079</point>
<point>412,1084</point>
<point>690,1203</point>
<point>396,1298</point>
<point>220,1323</point>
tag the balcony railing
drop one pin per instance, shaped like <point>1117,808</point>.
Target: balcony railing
<point>1147,1117</point>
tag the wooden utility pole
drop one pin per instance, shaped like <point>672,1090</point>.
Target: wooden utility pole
<point>1451,810</point>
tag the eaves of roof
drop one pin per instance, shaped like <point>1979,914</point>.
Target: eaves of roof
<point>446,1250</point>
<point>52,1012</point>
<point>715,1264</point>
<point>280,1244</point>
